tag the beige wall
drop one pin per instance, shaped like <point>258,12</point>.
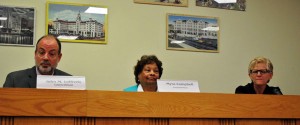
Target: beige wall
<point>269,28</point>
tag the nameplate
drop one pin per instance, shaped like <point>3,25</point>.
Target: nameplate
<point>61,82</point>
<point>178,86</point>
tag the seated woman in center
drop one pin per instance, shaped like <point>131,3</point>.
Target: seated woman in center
<point>147,70</point>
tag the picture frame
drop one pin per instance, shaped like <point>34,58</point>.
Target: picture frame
<point>17,25</point>
<point>192,33</point>
<point>81,23</point>
<point>178,3</point>
<point>239,5</point>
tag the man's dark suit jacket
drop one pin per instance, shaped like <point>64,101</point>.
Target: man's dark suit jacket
<point>26,78</point>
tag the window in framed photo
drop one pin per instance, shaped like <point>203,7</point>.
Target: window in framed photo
<point>192,33</point>
<point>77,22</point>
<point>17,25</point>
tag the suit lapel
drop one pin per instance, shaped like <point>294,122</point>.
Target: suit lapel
<point>32,77</point>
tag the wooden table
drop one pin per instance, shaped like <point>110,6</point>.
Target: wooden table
<point>92,107</point>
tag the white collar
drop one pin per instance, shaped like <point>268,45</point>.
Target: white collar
<point>140,88</point>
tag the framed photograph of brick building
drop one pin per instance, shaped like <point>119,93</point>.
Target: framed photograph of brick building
<point>179,3</point>
<point>77,22</point>
<point>17,25</point>
<point>192,33</point>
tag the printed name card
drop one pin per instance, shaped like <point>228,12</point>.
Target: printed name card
<point>178,86</point>
<point>61,82</point>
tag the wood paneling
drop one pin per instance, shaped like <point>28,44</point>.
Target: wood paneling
<point>6,120</point>
<point>258,122</point>
<point>42,102</point>
<point>194,121</point>
<point>91,107</point>
<point>227,121</point>
<point>85,121</point>
<point>288,122</point>
<point>191,105</point>
<point>44,121</point>
<point>122,121</point>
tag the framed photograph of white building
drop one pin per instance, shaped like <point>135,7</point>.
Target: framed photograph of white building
<point>17,25</point>
<point>192,33</point>
<point>77,22</point>
<point>179,3</point>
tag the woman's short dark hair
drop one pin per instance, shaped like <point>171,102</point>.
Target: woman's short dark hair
<point>146,59</point>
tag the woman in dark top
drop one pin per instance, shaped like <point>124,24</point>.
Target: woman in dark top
<point>260,71</point>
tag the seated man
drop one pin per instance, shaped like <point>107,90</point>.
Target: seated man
<point>260,71</point>
<point>47,56</point>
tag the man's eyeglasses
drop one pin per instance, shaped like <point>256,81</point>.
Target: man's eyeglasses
<point>51,54</point>
<point>264,71</point>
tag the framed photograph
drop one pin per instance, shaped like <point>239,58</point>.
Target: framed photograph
<point>223,4</point>
<point>17,26</point>
<point>179,3</point>
<point>77,22</point>
<point>192,33</point>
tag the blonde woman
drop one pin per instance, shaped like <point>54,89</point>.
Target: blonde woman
<point>260,71</point>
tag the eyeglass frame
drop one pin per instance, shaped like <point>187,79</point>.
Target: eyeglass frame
<point>264,71</point>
